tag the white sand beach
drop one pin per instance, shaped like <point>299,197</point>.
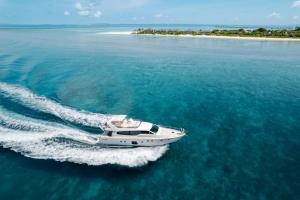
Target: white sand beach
<point>202,36</point>
<point>227,37</point>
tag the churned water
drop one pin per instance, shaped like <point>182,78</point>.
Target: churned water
<point>238,100</point>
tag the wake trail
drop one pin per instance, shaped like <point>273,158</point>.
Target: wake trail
<point>43,104</point>
<point>40,139</point>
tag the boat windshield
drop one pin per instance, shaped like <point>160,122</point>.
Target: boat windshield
<point>154,129</point>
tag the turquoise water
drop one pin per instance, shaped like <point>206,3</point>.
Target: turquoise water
<point>238,100</point>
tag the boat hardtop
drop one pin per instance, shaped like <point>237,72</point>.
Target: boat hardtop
<point>122,123</point>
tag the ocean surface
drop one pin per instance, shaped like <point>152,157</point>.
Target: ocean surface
<point>238,100</point>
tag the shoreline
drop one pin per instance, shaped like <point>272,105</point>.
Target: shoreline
<point>202,36</point>
<point>224,37</point>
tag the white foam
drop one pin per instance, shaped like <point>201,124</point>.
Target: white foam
<point>19,122</point>
<point>40,103</point>
<point>41,139</point>
<point>43,146</point>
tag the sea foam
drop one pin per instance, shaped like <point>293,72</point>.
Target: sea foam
<point>41,139</point>
<point>43,104</point>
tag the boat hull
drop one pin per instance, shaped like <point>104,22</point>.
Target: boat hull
<point>135,142</point>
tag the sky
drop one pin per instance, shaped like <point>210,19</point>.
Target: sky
<point>239,12</point>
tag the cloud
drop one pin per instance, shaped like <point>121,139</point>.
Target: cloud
<point>296,17</point>
<point>236,19</point>
<point>78,6</point>
<point>159,15</point>
<point>67,13</point>
<point>87,8</point>
<point>98,13</point>
<point>138,18</point>
<point>296,4</point>
<point>275,15</point>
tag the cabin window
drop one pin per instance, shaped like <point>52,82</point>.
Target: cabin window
<point>128,132</point>
<point>109,133</point>
<point>145,132</point>
<point>124,132</point>
<point>154,129</point>
<point>134,132</point>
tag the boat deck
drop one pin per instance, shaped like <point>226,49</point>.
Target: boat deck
<point>126,124</point>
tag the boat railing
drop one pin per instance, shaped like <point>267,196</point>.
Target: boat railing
<point>182,130</point>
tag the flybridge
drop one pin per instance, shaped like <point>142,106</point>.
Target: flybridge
<point>121,121</point>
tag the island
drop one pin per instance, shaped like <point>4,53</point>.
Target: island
<point>262,33</point>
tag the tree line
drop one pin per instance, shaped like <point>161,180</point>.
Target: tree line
<point>259,32</point>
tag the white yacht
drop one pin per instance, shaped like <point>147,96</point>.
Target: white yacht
<point>122,131</point>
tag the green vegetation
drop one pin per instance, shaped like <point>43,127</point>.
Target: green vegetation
<point>260,32</point>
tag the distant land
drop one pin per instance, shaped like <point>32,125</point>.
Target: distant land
<point>240,33</point>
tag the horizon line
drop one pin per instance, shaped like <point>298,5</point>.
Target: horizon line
<point>189,24</point>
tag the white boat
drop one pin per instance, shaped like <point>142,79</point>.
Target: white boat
<point>122,131</point>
